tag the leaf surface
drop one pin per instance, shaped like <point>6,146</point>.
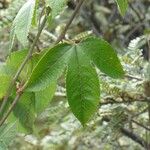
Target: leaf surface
<point>44,97</point>
<point>7,134</point>
<point>5,81</point>
<point>123,6</point>
<point>104,56</point>
<point>16,58</point>
<point>22,23</point>
<point>24,111</point>
<point>82,85</point>
<point>57,6</point>
<point>49,68</point>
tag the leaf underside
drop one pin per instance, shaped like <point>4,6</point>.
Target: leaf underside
<point>22,23</point>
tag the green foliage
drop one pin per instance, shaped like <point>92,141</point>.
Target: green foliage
<point>44,97</point>
<point>34,18</point>
<point>103,55</point>
<point>22,23</point>
<point>81,58</point>
<point>57,6</point>
<point>122,5</point>
<point>5,69</point>
<point>49,68</point>
<point>15,59</point>
<point>24,111</point>
<point>4,84</point>
<point>82,86</point>
<point>82,97</point>
<point>42,71</point>
<point>7,134</point>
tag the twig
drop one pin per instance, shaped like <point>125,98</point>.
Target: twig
<point>135,138</point>
<point>62,35</point>
<point>131,135</point>
<point>113,101</point>
<point>23,64</point>
<point>133,77</point>
<point>139,124</point>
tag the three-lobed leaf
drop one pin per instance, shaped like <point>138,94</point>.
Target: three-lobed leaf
<point>82,82</point>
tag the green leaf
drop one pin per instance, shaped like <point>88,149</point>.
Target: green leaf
<point>22,23</point>
<point>49,68</point>
<point>82,85</point>
<point>14,61</point>
<point>57,6</point>
<point>7,134</point>
<point>44,97</point>
<point>123,6</point>
<point>5,81</point>
<point>24,111</point>
<point>104,56</point>
<point>5,70</point>
<point>16,58</point>
<point>34,18</point>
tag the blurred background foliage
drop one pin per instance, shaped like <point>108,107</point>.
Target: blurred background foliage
<point>123,119</point>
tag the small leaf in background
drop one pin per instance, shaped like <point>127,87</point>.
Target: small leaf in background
<point>82,85</point>
<point>5,81</point>
<point>44,97</point>
<point>57,6</point>
<point>34,18</point>
<point>49,68</point>
<point>104,56</point>
<point>123,6</point>
<point>5,70</point>
<point>24,111</point>
<point>22,23</point>
<point>7,135</point>
<point>16,58</point>
<point>14,61</point>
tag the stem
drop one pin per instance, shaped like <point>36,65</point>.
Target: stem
<point>22,65</point>
<point>62,35</point>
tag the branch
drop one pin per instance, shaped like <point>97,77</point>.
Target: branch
<point>141,125</point>
<point>62,35</point>
<point>23,64</point>
<point>112,101</point>
<point>135,138</point>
